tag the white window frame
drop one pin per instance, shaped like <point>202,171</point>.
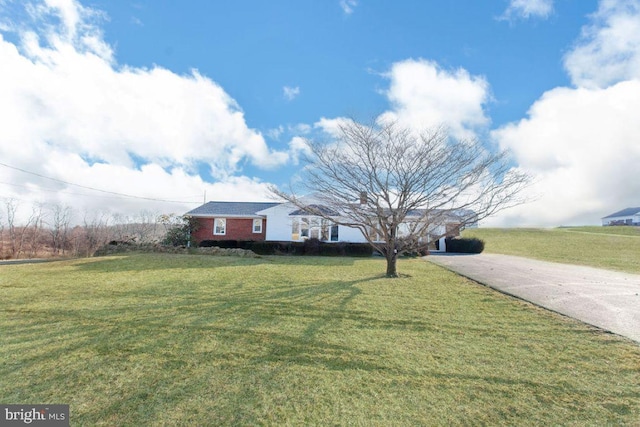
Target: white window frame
<point>257,225</point>
<point>309,227</point>
<point>223,222</point>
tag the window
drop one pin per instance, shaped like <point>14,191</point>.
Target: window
<point>220,226</point>
<point>314,228</point>
<point>303,228</point>
<point>257,225</point>
<point>295,230</point>
<point>334,233</point>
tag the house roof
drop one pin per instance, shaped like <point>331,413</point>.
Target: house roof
<point>230,209</point>
<point>312,209</point>
<point>624,212</point>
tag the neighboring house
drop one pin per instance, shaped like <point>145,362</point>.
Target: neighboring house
<point>286,222</point>
<point>628,216</point>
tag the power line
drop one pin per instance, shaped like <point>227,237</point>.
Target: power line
<point>89,188</point>
<point>51,190</point>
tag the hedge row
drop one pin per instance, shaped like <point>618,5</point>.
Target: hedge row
<point>118,248</point>
<point>311,247</point>
<point>463,245</point>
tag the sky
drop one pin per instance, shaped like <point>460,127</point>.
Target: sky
<point>124,106</point>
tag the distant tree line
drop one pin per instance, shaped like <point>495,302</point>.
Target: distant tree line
<point>56,230</point>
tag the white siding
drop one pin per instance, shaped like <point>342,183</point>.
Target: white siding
<point>348,234</point>
<point>278,223</point>
<point>279,226</point>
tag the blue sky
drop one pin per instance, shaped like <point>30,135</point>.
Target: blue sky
<point>166,100</point>
<point>337,60</point>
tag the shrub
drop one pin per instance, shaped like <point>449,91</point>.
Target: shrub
<point>267,248</point>
<point>333,249</point>
<point>464,245</point>
<point>311,247</point>
<point>224,244</point>
<point>179,230</point>
<point>359,249</point>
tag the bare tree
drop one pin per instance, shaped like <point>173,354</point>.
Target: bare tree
<point>35,231</point>
<point>146,227</point>
<point>397,187</point>
<point>59,229</point>
<point>96,233</point>
<point>16,232</point>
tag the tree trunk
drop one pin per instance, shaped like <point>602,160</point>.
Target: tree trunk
<point>392,257</point>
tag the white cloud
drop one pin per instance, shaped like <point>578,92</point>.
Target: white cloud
<point>299,148</point>
<point>331,126</point>
<point>348,6</point>
<point>582,144</point>
<point>608,50</point>
<point>424,95</point>
<point>583,147</point>
<point>290,93</point>
<point>528,9</point>
<point>70,112</point>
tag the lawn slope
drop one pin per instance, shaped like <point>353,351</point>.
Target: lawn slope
<point>197,340</point>
<point>614,248</point>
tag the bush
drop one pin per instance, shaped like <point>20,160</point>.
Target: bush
<point>464,245</point>
<point>268,248</point>
<point>207,244</point>
<point>311,247</point>
<point>228,244</point>
<point>179,230</point>
<point>359,249</point>
<point>334,249</point>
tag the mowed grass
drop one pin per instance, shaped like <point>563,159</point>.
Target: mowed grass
<point>198,340</point>
<point>613,248</point>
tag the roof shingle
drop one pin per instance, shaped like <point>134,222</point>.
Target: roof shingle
<point>624,212</point>
<point>248,209</point>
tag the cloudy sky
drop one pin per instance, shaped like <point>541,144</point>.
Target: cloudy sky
<point>131,105</point>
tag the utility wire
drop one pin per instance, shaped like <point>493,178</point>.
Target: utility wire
<point>91,188</point>
<point>51,190</point>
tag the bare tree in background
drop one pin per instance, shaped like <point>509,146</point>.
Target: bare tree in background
<point>395,186</point>
<point>35,230</point>
<point>147,227</point>
<point>16,232</point>
<point>96,233</point>
<point>59,230</point>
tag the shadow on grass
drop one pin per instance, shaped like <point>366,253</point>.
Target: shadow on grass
<point>123,358</point>
<point>100,344</point>
<point>244,318</point>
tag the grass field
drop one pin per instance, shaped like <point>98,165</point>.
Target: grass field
<point>614,248</point>
<point>198,340</point>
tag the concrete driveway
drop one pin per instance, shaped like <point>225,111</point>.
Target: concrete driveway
<point>606,299</point>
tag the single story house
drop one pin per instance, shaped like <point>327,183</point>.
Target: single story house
<point>628,216</point>
<point>285,222</point>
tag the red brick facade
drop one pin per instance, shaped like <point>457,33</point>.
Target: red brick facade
<point>237,229</point>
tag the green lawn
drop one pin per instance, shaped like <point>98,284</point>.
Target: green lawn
<point>198,340</point>
<point>614,248</point>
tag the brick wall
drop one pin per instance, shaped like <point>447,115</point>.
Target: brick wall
<point>237,229</point>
